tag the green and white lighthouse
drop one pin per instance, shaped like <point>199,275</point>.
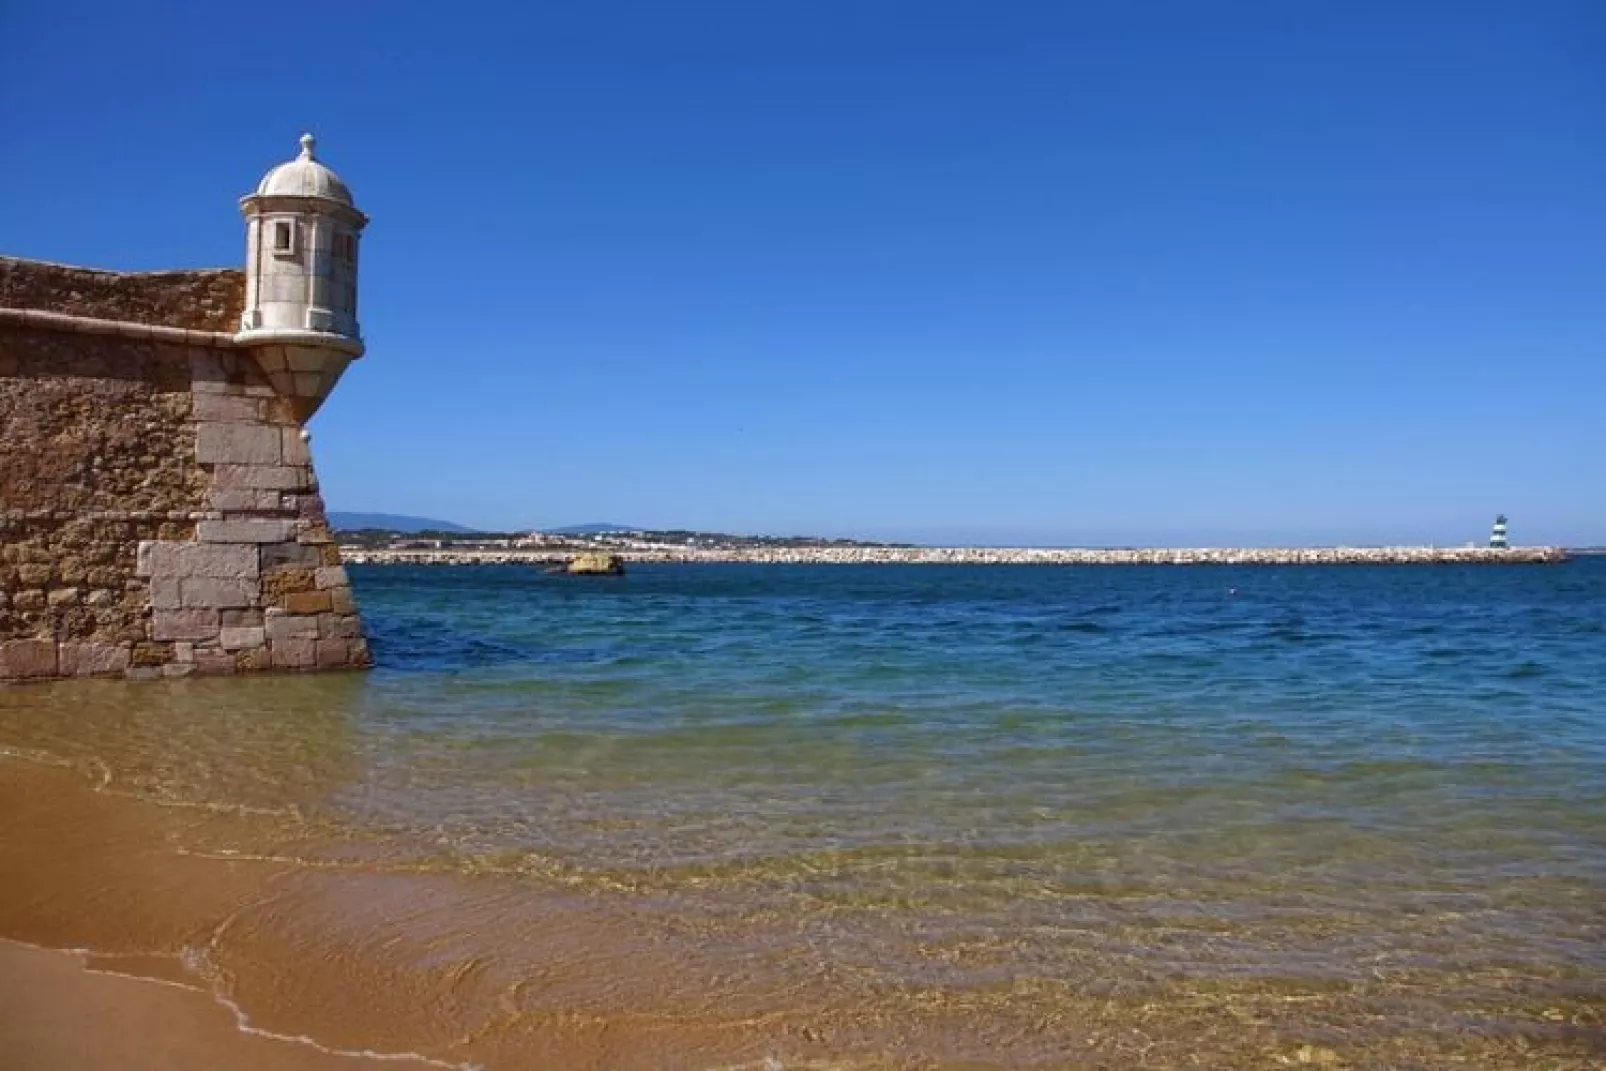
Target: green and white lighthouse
<point>1497,534</point>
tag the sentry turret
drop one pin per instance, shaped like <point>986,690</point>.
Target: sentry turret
<point>302,240</point>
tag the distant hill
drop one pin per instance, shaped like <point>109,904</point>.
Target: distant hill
<point>391,522</point>
<point>595,528</point>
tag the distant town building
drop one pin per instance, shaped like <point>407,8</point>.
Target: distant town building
<point>1497,534</point>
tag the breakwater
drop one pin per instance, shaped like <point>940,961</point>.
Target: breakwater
<point>985,556</point>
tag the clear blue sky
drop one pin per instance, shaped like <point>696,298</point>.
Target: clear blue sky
<point>1147,272</point>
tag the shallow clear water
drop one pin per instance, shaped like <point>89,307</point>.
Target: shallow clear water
<point>952,778</point>
<point>1211,720</point>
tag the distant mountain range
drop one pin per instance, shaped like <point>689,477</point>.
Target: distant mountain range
<point>392,522</point>
<point>594,528</point>
<point>397,522</point>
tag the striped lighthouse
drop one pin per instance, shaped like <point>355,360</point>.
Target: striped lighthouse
<point>1497,534</point>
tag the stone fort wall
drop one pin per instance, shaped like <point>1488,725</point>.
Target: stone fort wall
<point>159,512</point>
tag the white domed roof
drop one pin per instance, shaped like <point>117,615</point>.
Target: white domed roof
<point>304,177</point>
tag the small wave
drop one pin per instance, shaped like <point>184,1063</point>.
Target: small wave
<point>865,719</point>
<point>192,960</point>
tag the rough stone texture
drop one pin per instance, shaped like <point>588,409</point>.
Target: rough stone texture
<point>308,602</point>
<point>181,559</point>
<point>159,514</point>
<point>205,300</point>
<point>236,639</point>
<point>295,654</point>
<point>284,628</point>
<point>238,444</point>
<point>92,660</point>
<point>184,625</point>
<point>28,658</point>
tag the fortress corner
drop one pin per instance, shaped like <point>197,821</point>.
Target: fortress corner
<point>159,511</point>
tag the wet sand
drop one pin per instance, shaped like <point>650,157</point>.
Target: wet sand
<point>55,1013</point>
<point>502,971</point>
<point>85,870</point>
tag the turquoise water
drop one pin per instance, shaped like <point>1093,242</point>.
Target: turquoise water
<point>1365,765</point>
<point>1370,801</point>
<point>724,714</point>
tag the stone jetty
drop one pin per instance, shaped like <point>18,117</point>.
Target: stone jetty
<point>988,556</point>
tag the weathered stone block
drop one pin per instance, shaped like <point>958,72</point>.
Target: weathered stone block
<point>237,639</point>
<point>214,663</point>
<point>341,601</point>
<point>236,499</point>
<point>92,659</point>
<point>33,574</point>
<point>62,597</point>
<point>339,626</point>
<point>213,593</point>
<point>150,654</point>
<point>307,602</point>
<point>295,654</point>
<point>255,531</point>
<point>293,448</point>
<point>184,625</point>
<point>167,593</point>
<point>227,407</point>
<point>281,582</point>
<point>290,553</point>
<point>208,373</point>
<point>178,669</point>
<point>253,660</point>
<point>184,652</point>
<point>242,618</point>
<point>285,627</point>
<point>314,532</point>
<point>237,444</point>
<point>228,561</point>
<point>333,653</point>
<point>262,477</point>
<point>331,577</point>
<point>25,659</point>
<point>279,410</point>
<point>33,599</point>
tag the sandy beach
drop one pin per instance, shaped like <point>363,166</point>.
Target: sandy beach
<point>86,870</point>
<point>55,1013</point>
<point>471,868</point>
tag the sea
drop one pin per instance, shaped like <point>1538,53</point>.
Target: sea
<point>906,816</point>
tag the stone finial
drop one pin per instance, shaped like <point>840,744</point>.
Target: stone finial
<point>308,144</point>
